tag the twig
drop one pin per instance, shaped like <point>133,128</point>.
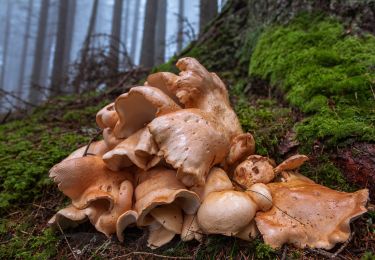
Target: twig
<point>7,93</point>
<point>283,257</point>
<point>90,142</point>
<point>343,246</point>
<point>6,117</point>
<point>320,252</point>
<point>71,250</point>
<point>152,254</point>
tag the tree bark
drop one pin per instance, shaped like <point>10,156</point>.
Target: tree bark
<point>208,10</point>
<point>69,35</point>
<point>160,32</point>
<point>5,45</point>
<point>58,76</point>
<point>34,93</point>
<point>180,26</point>
<point>25,46</point>
<point>133,51</point>
<point>148,41</point>
<point>115,34</point>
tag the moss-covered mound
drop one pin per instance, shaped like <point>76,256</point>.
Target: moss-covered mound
<point>324,72</point>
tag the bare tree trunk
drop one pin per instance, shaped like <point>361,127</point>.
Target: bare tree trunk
<point>86,44</point>
<point>180,25</point>
<point>115,34</point>
<point>148,41</point>
<point>5,45</point>
<point>69,35</point>
<point>58,77</point>
<point>160,32</point>
<point>24,49</point>
<point>133,51</point>
<point>124,37</point>
<point>34,93</point>
<point>208,10</point>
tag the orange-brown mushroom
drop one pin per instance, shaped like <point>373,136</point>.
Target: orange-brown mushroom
<point>107,117</point>
<point>97,148</point>
<point>139,149</point>
<point>307,214</point>
<point>291,163</point>
<point>192,141</point>
<point>138,107</point>
<point>165,82</point>
<point>160,200</point>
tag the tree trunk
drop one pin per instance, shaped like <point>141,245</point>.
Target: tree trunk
<point>58,76</point>
<point>69,35</point>
<point>180,26</point>
<point>208,10</point>
<point>5,45</point>
<point>160,32</point>
<point>115,34</point>
<point>86,44</point>
<point>133,51</point>
<point>34,94</point>
<point>148,41</point>
<point>24,49</point>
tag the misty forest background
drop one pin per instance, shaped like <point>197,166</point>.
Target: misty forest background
<point>46,45</point>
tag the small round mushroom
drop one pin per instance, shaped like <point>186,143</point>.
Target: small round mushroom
<point>255,169</point>
<point>140,106</point>
<point>261,195</point>
<point>226,212</point>
<point>107,117</point>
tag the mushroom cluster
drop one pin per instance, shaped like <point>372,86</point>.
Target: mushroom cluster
<point>174,160</point>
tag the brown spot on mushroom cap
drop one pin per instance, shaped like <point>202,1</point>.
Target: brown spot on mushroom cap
<point>192,141</point>
<point>107,116</point>
<point>317,216</point>
<point>255,169</point>
<point>98,212</point>
<point>138,149</point>
<point>138,107</point>
<point>96,148</point>
<point>225,212</point>
<point>87,179</point>
<point>291,163</point>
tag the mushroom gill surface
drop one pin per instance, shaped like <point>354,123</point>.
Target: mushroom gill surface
<point>311,215</point>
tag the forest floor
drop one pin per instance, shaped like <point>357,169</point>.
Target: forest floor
<point>264,99</point>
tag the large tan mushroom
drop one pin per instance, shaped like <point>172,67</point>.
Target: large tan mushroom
<point>165,82</point>
<point>140,106</point>
<point>160,200</point>
<point>192,141</point>
<point>87,179</point>
<point>139,149</point>
<point>307,214</point>
<point>103,214</point>
<point>97,148</point>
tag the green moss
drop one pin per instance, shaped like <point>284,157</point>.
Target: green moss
<point>325,73</point>
<point>267,121</point>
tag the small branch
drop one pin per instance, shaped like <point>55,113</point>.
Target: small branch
<point>66,240</point>
<point>343,246</point>
<point>85,153</point>
<point>7,93</point>
<point>320,252</point>
<point>6,117</point>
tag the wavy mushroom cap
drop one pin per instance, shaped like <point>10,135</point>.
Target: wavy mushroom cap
<point>97,148</point>
<point>165,82</point>
<point>318,217</point>
<point>261,195</point>
<point>87,179</point>
<point>139,149</point>
<point>140,106</point>
<point>225,212</point>
<point>98,212</point>
<point>107,116</point>
<point>292,163</point>
<point>192,141</point>
<point>110,139</point>
<point>255,169</point>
